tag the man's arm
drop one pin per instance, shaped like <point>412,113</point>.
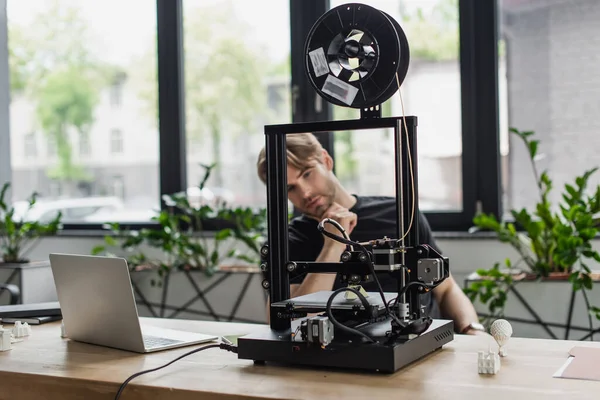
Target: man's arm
<point>331,251</point>
<point>455,305</point>
<point>315,282</point>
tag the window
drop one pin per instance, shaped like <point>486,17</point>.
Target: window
<point>552,86</point>
<point>84,145</point>
<point>432,92</point>
<point>118,187</point>
<point>79,70</point>
<point>30,146</point>
<point>50,147</point>
<point>116,141</point>
<point>237,79</point>
<point>116,89</point>
<point>54,189</point>
<point>71,63</point>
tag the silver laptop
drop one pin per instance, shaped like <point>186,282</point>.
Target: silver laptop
<point>98,306</point>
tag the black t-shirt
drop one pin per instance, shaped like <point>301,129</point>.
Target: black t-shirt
<point>376,218</point>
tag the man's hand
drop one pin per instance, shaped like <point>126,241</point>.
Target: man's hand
<point>330,252</point>
<point>477,332</point>
<point>342,216</point>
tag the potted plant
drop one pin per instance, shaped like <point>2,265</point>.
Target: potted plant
<point>553,241</point>
<point>18,236</point>
<point>190,238</point>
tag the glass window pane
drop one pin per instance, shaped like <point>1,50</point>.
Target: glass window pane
<point>83,107</point>
<point>553,87</point>
<point>431,92</point>
<point>237,79</point>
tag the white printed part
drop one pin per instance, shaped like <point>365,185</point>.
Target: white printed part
<point>319,62</point>
<point>339,89</point>
<point>5,339</point>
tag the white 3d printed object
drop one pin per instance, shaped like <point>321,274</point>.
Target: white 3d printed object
<point>5,342</point>
<point>21,329</point>
<point>501,330</point>
<point>488,362</point>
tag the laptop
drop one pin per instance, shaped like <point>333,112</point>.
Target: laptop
<point>98,306</point>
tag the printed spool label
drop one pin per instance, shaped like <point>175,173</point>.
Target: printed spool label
<point>319,62</point>
<point>339,89</point>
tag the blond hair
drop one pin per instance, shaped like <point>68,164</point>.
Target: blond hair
<point>301,149</point>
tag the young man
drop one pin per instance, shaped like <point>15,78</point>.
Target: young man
<point>315,191</point>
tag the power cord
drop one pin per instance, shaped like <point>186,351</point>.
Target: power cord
<point>226,345</point>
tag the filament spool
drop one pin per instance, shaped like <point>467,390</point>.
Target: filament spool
<point>356,56</point>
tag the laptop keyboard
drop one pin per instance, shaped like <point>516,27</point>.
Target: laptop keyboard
<point>155,341</point>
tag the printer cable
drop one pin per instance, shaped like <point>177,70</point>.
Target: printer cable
<point>225,345</point>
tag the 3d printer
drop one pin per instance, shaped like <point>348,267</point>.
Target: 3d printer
<point>356,56</point>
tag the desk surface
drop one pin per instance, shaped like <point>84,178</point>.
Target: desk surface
<point>50,367</point>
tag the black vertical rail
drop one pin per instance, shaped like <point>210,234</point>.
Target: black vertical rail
<point>277,211</point>
<point>411,199</point>
<point>408,187</point>
<point>413,181</point>
<point>399,143</point>
<point>171,96</point>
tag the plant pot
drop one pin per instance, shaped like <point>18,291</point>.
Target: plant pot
<point>34,280</point>
<point>552,276</point>
<point>232,294</point>
<point>547,308</point>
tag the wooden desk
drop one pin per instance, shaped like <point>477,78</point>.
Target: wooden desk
<point>45,366</point>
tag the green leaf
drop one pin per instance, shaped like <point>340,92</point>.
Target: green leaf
<point>3,192</point>
<point>223,234</point>
<point>533,146</point>
<point>587,281</point>
<point>98,250</point>
<point>571,190</point>
<point>247,258</point>
<point>110,241</point>
<point>214,257</point>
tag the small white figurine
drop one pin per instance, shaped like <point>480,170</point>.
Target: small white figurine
<point>501,330</point>
<point>488,363</point>
<point>63,333</point>
<point>5,339</point>
<point>21,329</point>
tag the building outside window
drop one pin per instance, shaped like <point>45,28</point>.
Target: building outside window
<point>116,141</point>
<point>71,64</point>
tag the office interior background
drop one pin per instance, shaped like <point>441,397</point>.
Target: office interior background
<point>107,106</point>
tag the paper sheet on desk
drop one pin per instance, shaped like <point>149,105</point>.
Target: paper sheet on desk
<point>583,363</point>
